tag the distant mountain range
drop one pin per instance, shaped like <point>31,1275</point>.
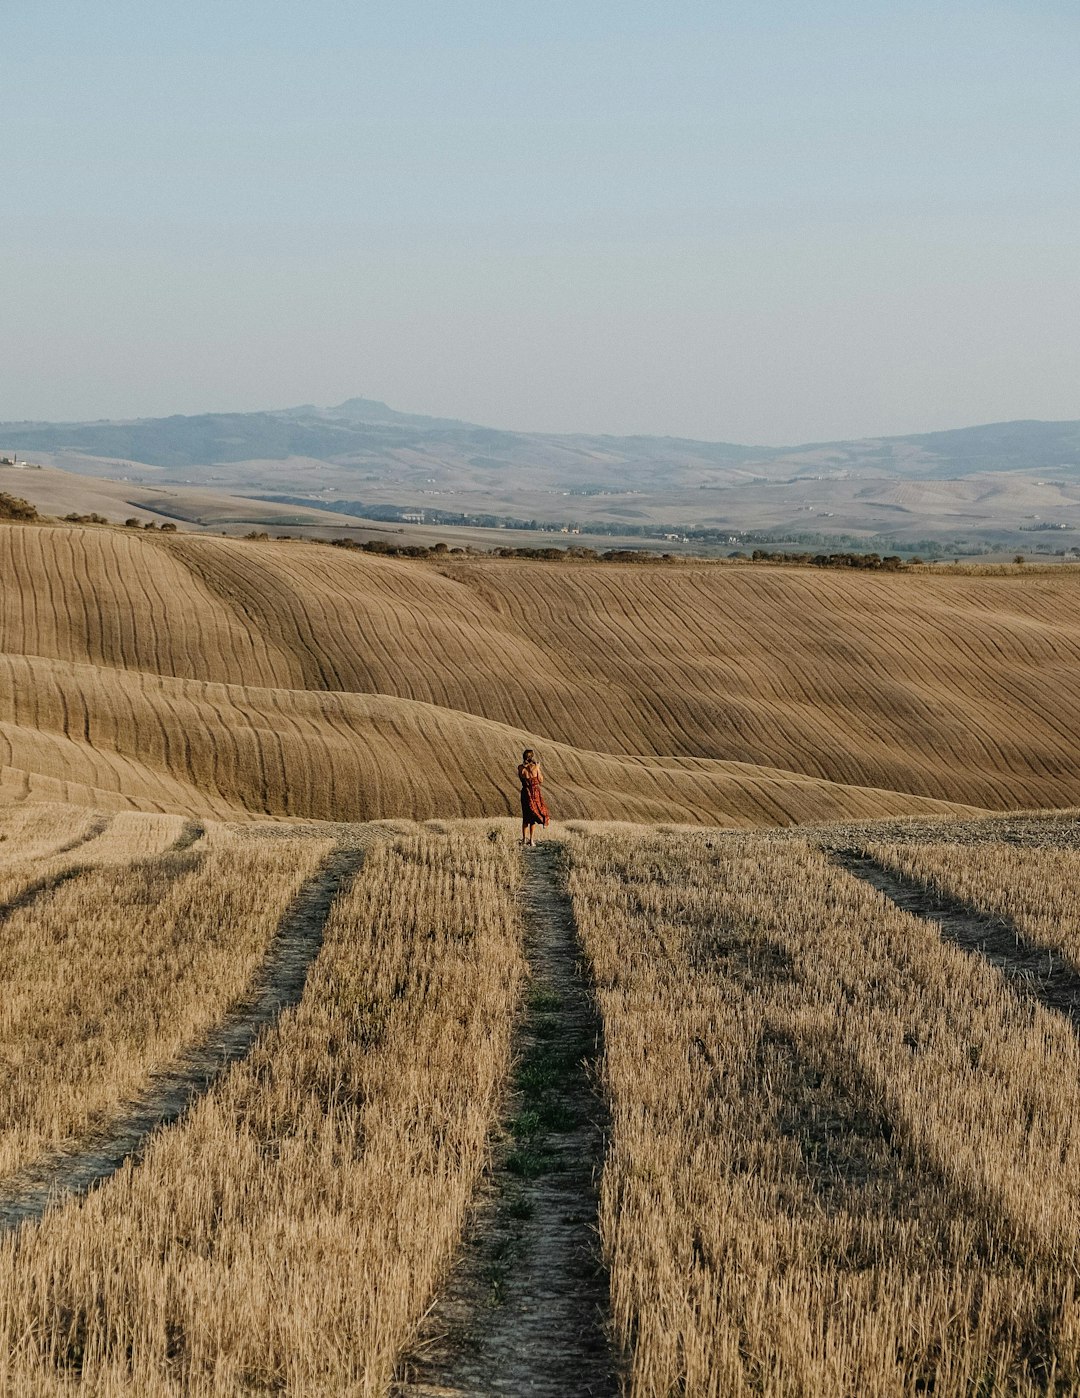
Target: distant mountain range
<point>362,432</point>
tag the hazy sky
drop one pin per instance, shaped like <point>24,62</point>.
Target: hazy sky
<point>772,221</point>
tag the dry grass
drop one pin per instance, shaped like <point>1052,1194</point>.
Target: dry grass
<point>114,971</point>
<point>46,843</point>
<point>37,831</point>
<point>288,1235</point>
<point>212,676</point>
<point>844,1155</point>
<point>1034,888</point>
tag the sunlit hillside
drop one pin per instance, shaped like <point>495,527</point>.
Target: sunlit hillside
<point>203,675</point>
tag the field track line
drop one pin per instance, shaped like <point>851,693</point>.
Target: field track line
<point>190,835</point>
<point>93,830</point>
<point>39,887</point>
<point>1038,974</point>
<point>279,985</point>
<point>523,1311</point>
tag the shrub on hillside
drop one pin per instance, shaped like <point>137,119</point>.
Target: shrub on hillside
<point>15,507</point>
<point>380,546</point>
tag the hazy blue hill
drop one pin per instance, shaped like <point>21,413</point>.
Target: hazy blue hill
<point>176,442</point>
<point>363,428</point>
<point>1002,446</point>
<point>371,410</point>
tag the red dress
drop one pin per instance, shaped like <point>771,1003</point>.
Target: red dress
<point>533,809</point>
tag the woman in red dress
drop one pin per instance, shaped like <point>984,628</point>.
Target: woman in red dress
<point>533,810</point>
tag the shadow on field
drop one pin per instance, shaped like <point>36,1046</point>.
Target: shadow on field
<point>1030,971</point>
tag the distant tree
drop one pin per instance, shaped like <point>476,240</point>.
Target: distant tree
<point>168,527</point>
<point>1019,558</point>
<point>133,523</point>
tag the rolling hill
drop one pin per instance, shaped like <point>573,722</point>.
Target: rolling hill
<point>962,491</point>
<point>362,428</point>
<point>198,674</point>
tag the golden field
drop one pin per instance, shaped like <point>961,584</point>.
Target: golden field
<point>841,1154</point>
<point>844,1155</point>
<point>210,676</point>
<point>287,1235</point>
<point>837,1154</point>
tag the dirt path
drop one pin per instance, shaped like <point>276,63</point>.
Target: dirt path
<point>1041,975</point>
<point>523,1311</point>
<point>280,985</point>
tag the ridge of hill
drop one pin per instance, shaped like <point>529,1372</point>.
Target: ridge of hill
<point>202,674</point>
<point>361,428</point>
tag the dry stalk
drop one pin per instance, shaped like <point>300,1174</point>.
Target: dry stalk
<point>1034,888</point>
<point>287,1237</point>
<point>112,973</point>
<point>844,1156</point>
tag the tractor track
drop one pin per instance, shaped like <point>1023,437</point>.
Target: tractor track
<point>172,1090</point>
<point>524,1309</point>
<point>1032,972</point>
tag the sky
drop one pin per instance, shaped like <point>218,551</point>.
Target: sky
<point>776,222</point>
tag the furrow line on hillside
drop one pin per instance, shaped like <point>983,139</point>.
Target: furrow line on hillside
<point>206,562</point>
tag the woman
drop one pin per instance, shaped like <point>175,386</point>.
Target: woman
<point>533,810</point>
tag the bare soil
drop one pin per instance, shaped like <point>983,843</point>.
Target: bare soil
<point>173,1090</point>
<point>1059,830</point>
<point>524,1310</point>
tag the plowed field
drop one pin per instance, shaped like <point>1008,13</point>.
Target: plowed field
<point>206,676</point>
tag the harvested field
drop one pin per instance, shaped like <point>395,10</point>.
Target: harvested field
<point>524,1309</point>
<point>844,1156</point>
<point>287,1235</point>
<point>116,965</point>
<point>217,677</point>
<point>841,1151</point>
<point>1032,891</point>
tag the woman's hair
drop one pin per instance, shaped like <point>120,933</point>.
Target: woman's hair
<point>528,755</point>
